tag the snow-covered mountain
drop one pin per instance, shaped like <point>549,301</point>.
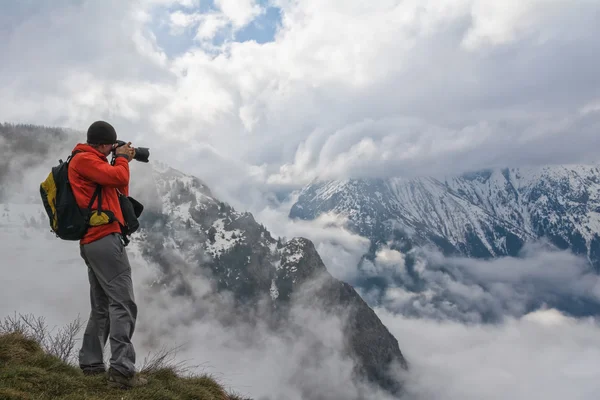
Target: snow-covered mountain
<point>192,227</point>
<point>484,214</point>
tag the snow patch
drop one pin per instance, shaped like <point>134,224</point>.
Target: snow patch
<point>274,291</point>
<point>224,239</point>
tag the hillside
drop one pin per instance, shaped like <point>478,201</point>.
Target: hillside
<point>27,372</point>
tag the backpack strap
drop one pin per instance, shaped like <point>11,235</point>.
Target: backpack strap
<point>98,194</point>
<point>72,155</point>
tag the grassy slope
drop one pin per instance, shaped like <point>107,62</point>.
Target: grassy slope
<point>27,372</point>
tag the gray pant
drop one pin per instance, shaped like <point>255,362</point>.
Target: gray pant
<point>114,311</point>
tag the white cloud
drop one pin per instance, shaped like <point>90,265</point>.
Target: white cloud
<point>179,19</point>
<point>231,14</point>
<point>345,88</point>
<point>475,290</point>
<point>209,25</point>
<point>500,22</point>
<point>544,354</point>
<point>591,108</point>
<point>240,12</point>
<point>339,248</point>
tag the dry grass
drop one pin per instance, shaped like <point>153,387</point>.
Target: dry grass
<point>35,365</point>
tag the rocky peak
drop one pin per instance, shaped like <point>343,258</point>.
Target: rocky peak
<point>194,227</point>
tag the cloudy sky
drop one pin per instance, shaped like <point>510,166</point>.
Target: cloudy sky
<point>274,93</point>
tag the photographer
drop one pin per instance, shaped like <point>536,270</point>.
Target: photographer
<point>113,309</point>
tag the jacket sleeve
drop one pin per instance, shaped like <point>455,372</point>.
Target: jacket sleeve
<point>102,173</point>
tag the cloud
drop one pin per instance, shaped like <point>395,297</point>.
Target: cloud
<point>339,247</point>
<point>426,284</point>
<point>210,25</point>
<point>239,12</point>
<point>303,360</point>
<point>543,354</point>
<point>226,18</point>
<point>344,88</point>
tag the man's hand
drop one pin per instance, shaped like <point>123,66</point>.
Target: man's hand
<point>126,150</point>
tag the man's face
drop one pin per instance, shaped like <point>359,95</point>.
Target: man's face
<point>105,149</point>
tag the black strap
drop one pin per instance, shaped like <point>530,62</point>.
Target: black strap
<point>98,194</point>
<point>73,155</point>
<point>98,191</point>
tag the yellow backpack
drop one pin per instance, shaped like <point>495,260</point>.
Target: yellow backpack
<point>67,220</point>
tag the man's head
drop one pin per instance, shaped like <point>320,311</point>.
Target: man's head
<point>102,136</point>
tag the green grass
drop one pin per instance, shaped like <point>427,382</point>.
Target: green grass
<point>27,372</point>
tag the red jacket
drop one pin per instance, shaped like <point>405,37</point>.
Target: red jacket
<point>86,171</point>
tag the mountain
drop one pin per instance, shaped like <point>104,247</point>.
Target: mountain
<point>484,214</point>
<point>188,224</point>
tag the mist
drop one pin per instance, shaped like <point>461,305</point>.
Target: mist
<point>46,277</point>
<point>529,349</point>
<point>541,355</point>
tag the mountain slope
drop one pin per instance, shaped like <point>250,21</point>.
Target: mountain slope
<point>191,225</point>
<point>485,214</point>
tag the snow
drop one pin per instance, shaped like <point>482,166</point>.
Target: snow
<point>273,247</point>
<point>293,251</point>
<point>274,291</point>
<point>182,211</point>
<point>295,257</point>
<point>224,239</point>
<point>450,207</point>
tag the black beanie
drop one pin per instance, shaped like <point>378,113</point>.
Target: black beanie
<point>101,132</point>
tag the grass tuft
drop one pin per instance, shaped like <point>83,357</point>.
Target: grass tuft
<point>27,371</point>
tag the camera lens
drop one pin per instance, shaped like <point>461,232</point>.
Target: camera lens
<point>142,154</point>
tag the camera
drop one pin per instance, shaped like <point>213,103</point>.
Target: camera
<point>142,154</point>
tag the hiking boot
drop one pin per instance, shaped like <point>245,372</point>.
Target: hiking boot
<point>118,380</point>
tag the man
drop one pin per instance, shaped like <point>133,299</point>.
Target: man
<point>113,308</point>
